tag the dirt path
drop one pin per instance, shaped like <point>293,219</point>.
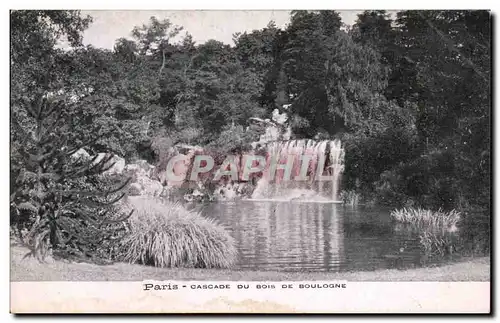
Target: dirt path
<point>29,269</point>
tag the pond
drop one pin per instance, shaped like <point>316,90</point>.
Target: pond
<point>291,236</point>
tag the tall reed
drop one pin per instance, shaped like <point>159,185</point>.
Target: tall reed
<point>421,218</point>
<point>437,244</point>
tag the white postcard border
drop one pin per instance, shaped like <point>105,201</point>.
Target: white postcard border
<point>355,297</point>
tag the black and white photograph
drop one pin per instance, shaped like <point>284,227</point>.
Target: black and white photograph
<point>259,150</point>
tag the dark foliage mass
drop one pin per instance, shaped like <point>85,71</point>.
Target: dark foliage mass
<point>409,95</point>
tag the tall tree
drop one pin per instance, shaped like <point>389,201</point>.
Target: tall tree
<point>60,199</point>
<point>218,92</point>
<point>259,52</point>
<point>334,84</point>
<point>450,51</point>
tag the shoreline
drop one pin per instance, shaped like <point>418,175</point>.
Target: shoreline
<point>29,269</point>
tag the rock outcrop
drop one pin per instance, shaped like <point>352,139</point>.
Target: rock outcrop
<point>116,164</point>
<point>143,182</point>
<point>81,153</point>
<point>148,180</point>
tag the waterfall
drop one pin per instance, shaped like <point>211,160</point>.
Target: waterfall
<point>325,158</point>
<point>336,165</point>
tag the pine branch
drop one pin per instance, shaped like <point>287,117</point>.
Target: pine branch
<point>87,216</point>
<point>86,143</point>
<point>120,219</point>
<point>86,193</point>
<point>74,233</point>
<point>89,168</point>
<point>51,128</point>
<point>34,108</point>
<point>99,204</point>
<point>55,106</point>
<point>24,135</point>
<point>120,187</point>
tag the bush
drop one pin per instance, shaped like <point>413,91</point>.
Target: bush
<point>70,210</point>
<point>438,220</point>
<point>165,234</point>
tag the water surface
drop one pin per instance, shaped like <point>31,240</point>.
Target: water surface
<point>328,237</point>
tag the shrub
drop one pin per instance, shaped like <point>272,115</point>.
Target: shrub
<point>66,208</point>
<point>165,234</point>
<point>60,200</point>
<point>439,220</point>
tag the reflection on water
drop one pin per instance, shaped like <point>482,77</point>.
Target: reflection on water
<point>317,237</point>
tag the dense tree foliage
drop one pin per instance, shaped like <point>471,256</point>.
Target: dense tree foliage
<point>409,94</point>
<point>58,200</point>
<point>440,69</point>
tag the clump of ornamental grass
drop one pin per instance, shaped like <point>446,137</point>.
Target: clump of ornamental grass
<point>427,219</point>
<point>165,234</point>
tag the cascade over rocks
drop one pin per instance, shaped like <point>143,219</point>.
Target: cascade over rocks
<point>325,158</point>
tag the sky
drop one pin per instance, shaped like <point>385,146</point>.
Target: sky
<point>202,25</point>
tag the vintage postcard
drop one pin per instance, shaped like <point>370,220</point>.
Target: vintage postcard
<point>270,161</point>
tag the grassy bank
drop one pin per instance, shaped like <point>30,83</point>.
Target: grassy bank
<point>28,269</point>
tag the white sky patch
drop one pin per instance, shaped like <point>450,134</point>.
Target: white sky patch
<point>203,25</point>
